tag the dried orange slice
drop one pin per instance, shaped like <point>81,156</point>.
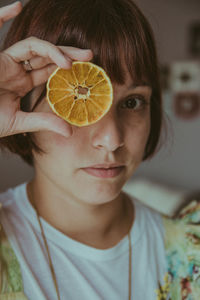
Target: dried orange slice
<point>81,95</point>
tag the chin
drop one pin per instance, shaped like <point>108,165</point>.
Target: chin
<point>101,193</point>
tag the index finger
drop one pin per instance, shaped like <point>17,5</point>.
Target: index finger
<point>32,46</point>
<point>9,11</point>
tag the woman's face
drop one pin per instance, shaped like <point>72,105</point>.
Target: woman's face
<point>119,137</point>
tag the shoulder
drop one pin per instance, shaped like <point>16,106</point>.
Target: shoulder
<point>182,243</point>
<point>11,285</point>
<point>185,228</point>
<point>148,212</point>
<point>9,196</point>
<point>148,219</point>
<point>6,196</point>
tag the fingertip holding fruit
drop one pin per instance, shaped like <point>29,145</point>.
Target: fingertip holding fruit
<point>65,63</point>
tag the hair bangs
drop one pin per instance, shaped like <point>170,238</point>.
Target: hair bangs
<point>118,40</point>
<point>119,36</point>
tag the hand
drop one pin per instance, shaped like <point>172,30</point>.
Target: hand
<point>15,82</point>
<point>10,11</point>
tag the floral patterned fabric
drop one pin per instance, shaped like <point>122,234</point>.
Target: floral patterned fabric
<point>11,285</point>
<point>182,241</point>
<point>163,291</point>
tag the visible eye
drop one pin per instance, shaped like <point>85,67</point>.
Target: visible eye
<point>134,103</point>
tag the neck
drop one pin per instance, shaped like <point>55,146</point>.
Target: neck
<point>100,226</point>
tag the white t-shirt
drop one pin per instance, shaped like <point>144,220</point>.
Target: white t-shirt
<point>83,272</point>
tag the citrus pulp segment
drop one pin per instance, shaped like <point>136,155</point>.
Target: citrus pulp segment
<point>81,95</point>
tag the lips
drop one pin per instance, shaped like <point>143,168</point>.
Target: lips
<point>106,166</point>
<point>104,172</point>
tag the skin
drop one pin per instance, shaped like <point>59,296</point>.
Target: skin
<point>15,82</point>
<point>88,209</point>
<point>9,11</point>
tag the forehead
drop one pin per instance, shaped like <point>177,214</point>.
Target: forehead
<point>121,88</point>
<point>130,82</point>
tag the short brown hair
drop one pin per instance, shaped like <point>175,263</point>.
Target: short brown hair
<point>108,28</point>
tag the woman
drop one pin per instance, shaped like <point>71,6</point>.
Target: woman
<point>71,232</point>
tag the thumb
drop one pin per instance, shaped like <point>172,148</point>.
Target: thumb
<point>38,121</point>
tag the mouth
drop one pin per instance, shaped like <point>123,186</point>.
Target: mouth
<point>104,172</point>
<point>106,166</point>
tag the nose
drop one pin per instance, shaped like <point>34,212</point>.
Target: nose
<point>108,133</point>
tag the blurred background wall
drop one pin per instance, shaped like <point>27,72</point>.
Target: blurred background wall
<point>175,24</point>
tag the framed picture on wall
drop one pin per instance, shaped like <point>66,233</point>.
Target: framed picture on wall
<point>187,105</point>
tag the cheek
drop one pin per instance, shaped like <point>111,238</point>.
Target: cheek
<point>58,147</point>
<point>139,130</point>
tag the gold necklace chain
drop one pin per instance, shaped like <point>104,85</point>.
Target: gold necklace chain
<point>52,268</point>
<point>49,257</point>
<point>130,265</point>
